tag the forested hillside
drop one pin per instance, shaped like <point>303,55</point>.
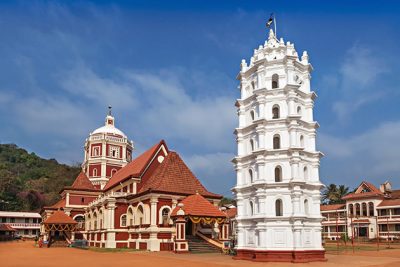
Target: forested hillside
<point>27,182</point>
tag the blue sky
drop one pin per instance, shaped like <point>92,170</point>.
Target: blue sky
<point>168,68</point>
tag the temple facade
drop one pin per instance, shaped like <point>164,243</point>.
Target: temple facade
<point>277,164</point>
<point>152,202</point>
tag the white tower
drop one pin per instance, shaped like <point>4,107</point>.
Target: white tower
<point>107,149</point>
<point>278,186</point>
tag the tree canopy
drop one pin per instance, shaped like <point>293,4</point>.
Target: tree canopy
<point>28,182</point>
<point>333,194</point>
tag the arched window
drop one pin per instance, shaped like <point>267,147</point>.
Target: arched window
<point>275,81</point>
<point>123,220</point>
<point>305,172</point>
<point>130,216</point>
<point>371,209</point>
<point>80,219</point>
<point>252,116</point>
<point>277,142</point>
<point>278,174</point>
<point>275,112</point>
<point>165,216</point>
<point>94,172</point>
<point>251,145</point>
<point>251,175</point>
<point>251,208</point>
<point>95,151</point>
<point>253,85</point>
<point>140,215</point>
<point>306,206</point>
<point>278,207</point>
<point>301,141</point>
<point>358,209</point>
<point>364,209</point>
<point>351,209</point>
<point>113,171</point>
<point>299,110</point>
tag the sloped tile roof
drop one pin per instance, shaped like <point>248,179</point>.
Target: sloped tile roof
<point>231,213</point>
<point>59,217</point>
<point>174,176</point>
<point>390,202</point>
<point>332,207</point>
<point>374,192</point>
<point>135,168</point>
<point>197,205</point>
<point>83,182</point>
<point>6,227</point>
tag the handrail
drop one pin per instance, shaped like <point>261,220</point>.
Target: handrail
<point>210,240</point>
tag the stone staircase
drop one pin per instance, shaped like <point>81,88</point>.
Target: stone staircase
<point>198,245</point>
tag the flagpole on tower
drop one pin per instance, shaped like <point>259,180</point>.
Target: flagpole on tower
<point>269,23</point>
<point>276,35</point>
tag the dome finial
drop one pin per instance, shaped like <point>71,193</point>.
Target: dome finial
<point>109,110</point>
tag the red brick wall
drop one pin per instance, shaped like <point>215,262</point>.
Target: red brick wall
<point>119,210</point>
<point>145,236</point>
<point>77,200</point>
<point>164,235</point>
<point>94,166</point>
<point>143,245</point>
<point>109,168</point>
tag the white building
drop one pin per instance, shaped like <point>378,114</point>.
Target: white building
<point>367,213</point>
<point>277,166</point>
<point>26,224</point>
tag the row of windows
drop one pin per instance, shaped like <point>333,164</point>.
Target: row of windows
<point>361,209</point>
<point>279,207</point>
<point>278,174</point>
<point>275,112</point>
<point>27,220</point>
<point>276,142</point>
<point>95,172</point>
<point>113,151</point>
<point>274,82</point>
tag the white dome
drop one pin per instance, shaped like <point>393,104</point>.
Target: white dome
<point>109,129</point>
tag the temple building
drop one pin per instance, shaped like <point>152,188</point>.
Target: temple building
<point>368,213</point>
<point>153,202</point>
<point>277,164</point>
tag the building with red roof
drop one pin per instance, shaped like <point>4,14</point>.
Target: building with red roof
<point>136,206</point>
<point>367,213</point>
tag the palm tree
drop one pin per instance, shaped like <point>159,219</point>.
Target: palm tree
<point>333,194</point>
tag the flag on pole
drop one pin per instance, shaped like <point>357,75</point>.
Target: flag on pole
<point>270,21</point>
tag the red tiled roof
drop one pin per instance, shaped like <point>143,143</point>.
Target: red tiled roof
<point>197,205</point>
<point>6,227</point>
<point>395,194</point>
<point>332,207</point>
<point>390,202</point>
<point>374,192</point>
<point>59,217</point>
<point>60,204</point>
<point>231,213</point>
<point>83,182</point>
<point>135,168</point>
<point>174,176</point>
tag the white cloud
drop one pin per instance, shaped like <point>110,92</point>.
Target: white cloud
<point>370,155</point>
<point>357,81</point>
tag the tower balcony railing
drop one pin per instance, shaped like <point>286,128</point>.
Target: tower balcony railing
<point>109,138</point>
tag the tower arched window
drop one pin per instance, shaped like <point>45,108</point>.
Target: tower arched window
<point>301,141</point>
<point>123,220</point>
<point>251,175</point>
<point>351,209</point>
<point>275,112</point>
<point>277,141</point>
<point>278,207</point>
<point>275,81</point>
<point>113,171</point>
<point>95,172</point>
<point>251,208</point>
<point>165,216</point>
<point>306,209</point>
<point>299,110</point>
<point>305,173</point>
<point>278,174</point>
<point>252,115</point>
<point>251,145</point>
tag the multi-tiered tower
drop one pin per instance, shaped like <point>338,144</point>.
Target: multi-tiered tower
<point>278,186</point>
<point>107,149</point>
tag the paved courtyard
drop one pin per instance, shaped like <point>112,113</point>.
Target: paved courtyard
<point>21,253</point>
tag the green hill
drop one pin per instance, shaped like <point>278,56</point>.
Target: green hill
<point>28,182</point>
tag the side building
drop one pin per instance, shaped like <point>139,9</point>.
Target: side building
<point>367,214</point>
<point>25,224</point>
